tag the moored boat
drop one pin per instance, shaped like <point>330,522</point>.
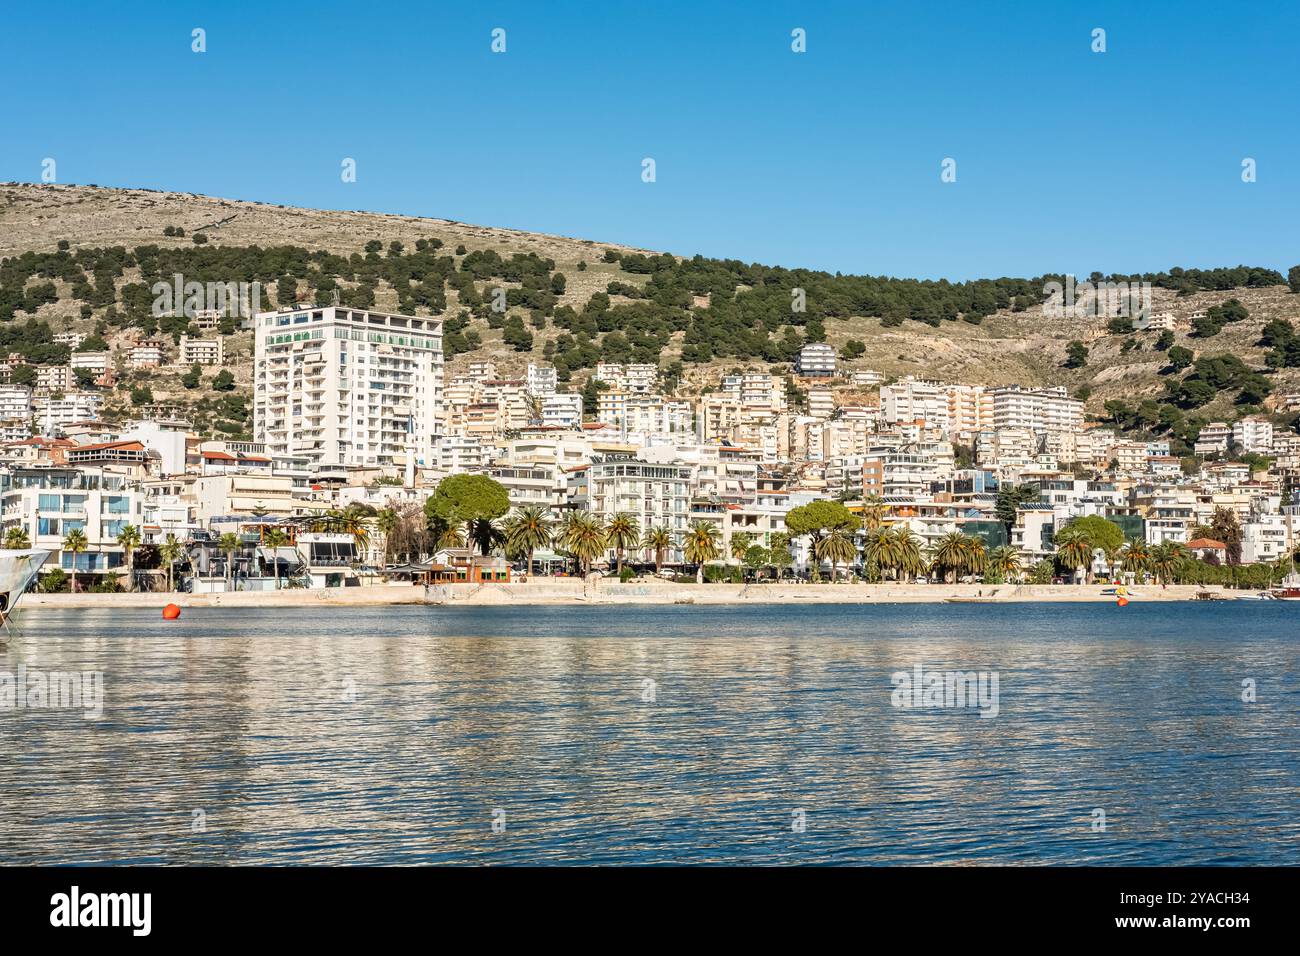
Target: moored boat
<point>1290,589</point>
<point>17,569</point>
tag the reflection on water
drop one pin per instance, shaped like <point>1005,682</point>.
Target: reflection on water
<point>391,735</point>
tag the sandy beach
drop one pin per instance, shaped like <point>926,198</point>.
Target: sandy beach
<point>562,591</point>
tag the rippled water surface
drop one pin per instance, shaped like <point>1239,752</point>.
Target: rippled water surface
<point>396,735</point>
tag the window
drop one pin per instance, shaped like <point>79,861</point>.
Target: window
<point>117,505</point>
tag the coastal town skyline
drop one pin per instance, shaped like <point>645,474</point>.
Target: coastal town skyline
<point>580,436</point>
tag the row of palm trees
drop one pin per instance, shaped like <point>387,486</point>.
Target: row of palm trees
<point>586,537</point>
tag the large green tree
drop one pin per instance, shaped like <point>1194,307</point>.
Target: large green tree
<point>467,500</point>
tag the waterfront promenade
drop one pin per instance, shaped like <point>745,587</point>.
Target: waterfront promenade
<point>573,591</point>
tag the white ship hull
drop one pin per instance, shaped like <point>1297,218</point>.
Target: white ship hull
<point>17,569</point>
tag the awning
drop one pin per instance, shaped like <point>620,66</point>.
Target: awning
<point>287,555</point>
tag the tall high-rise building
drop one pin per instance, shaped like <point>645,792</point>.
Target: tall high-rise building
<point>342,386</point>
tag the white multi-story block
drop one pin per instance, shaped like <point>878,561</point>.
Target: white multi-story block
<point>912,400</point>
<point>53,415</point>
<point>637,377</point>
<point>201,351</point>
<point>15,402</point>
<point>96,362</point>
<point>541,380</point>
<point>49,502</point>
<point>1253,434</point>
<point>562,410</point>
<point>147,353</point>
<point>346,386</point>
<point>55,378</point>
<point>1213,439</point>
<point>815,360</point>
<point>655,494</point>
<point>1040,409</point>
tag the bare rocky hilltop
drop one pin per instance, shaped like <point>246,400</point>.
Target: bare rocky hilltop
<point>1005,347</point>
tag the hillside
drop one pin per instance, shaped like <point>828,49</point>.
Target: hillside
<point>649,317</point>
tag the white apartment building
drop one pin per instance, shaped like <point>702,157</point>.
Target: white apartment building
<point>1040,409</point>
<point>15,430</point>
<point>50,502</point>
<point>1213,439</point>
<point>243,496</point>
<point>345,386</point>
<point>15,403</point>
<point>756,390</point>
<point>201,351</point>
<point>654,494</point>
<point>913,400</point>
<point>481,370</point>
<point>1265,537</point>
<point>542,485</point>
<point>460,453</point>
<point>147,353</point>
<point>821,402</point>
<point>96,362</point>
<point>71,339</point>
<point>815,360</point>
<point>541,380</point>
<point>562,410</point>
<point>1253,434</point>
<point>643,413</point>
<point>635,377</point>
<point>55,378</point>
<point>53,415</point>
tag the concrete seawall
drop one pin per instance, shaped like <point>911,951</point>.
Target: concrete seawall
<point>571,591</point>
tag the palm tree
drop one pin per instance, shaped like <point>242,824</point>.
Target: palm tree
<point>1074,548</point>
<point>529,529</point>
<point>1135,557</point>
<point>355,525</point>
<point>446,535</point>
<point>583,535</point>
<point>229,543</point>
<point>1166,560</point>
<point>952,553</point>
<point>883,549</point>
<point>701,546</point>
<point>1005,560</point>
<point>386,521</point>
<point>275,539</point>
<point>658,539</point>
<point>17,539</point>
<point>836,546</point>
<point>873,512</point>
<point>741,541</point>
<point>170,551</point>
<point>128,539</point>
<point>977,556</point>
<point>75,542</point>
<point>485,535</point>
<point>911,563</point>
<point>622,532</point>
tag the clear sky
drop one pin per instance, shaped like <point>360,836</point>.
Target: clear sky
<point>1067,160</point>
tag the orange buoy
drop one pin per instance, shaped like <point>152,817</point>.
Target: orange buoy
<point>1122,602</point>
<point>171,612</point>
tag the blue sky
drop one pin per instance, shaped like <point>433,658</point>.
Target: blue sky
<point>1067,160</point>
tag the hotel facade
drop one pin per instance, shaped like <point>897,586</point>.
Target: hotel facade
<point>343,386</point>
